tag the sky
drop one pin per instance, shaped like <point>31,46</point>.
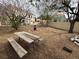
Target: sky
<point>74,3</point>
<point>32,9</point>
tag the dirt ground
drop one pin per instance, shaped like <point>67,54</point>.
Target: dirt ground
<point>50,48</point>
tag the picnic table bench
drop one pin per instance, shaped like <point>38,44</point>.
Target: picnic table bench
<point>19,49</point>
<point>20,35</point>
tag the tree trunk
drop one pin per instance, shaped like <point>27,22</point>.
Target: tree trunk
<point>16,28</point>
<point>34,28</point>
<point>72,23</point>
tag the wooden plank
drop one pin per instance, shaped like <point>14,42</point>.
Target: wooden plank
<point>19,49</point>
<point>72,39</point>
<point>28,40</point>
<point>35,36</point>
<point>40,39</point>
<point>76,43</point>
<point>31,34</point>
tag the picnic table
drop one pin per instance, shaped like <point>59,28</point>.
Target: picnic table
<point>32,36</point>
<point>25,38</point>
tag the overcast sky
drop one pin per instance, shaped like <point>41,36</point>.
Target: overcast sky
<point>34,10</point>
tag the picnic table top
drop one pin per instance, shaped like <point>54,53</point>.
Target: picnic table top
<point>29,40</point>
<point>35,36</point>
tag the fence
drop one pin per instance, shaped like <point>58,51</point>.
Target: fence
<point>64,26</point>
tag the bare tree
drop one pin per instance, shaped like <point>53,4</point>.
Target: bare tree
<point>72,12</point>
<point>14,12</point>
